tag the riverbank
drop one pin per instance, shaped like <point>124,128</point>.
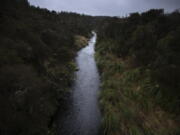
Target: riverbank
<point>125,109</point>
<point>139,70</point>
<point>58,118</point>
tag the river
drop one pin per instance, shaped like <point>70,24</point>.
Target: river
<point>83,117</point>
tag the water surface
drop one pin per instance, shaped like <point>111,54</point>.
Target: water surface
<point>83,117</point>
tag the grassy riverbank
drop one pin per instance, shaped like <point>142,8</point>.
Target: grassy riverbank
<point>139,72</point>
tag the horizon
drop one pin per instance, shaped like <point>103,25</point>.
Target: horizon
<point>120,8</point>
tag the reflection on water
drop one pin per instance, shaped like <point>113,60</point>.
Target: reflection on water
<point>83,117</point>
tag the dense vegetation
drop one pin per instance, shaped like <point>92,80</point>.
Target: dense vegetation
<point>37,49</point>
<point>139,61</point>
<point>138,57</point>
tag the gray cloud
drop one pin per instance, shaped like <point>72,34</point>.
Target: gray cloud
<point>106,7</point>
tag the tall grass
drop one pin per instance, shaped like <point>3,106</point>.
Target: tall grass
<point>127,100</point>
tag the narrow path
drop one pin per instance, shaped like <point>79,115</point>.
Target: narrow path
<point>83,118</point>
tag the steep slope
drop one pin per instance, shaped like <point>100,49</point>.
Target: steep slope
<point>37,51</point>
<point>138,58</point>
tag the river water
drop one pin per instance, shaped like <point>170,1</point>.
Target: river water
<point>83,116</point>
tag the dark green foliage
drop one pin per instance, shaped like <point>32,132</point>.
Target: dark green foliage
<point>151,42</point>
<point>25,106</point>
<point>143,44</point>
<point>37,50</point>
<point>154,43</point>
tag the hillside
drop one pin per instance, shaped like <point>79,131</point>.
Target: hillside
<point>138,58</point>
<point>37,51</point>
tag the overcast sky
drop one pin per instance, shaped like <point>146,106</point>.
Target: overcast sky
<point>106,7</point>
